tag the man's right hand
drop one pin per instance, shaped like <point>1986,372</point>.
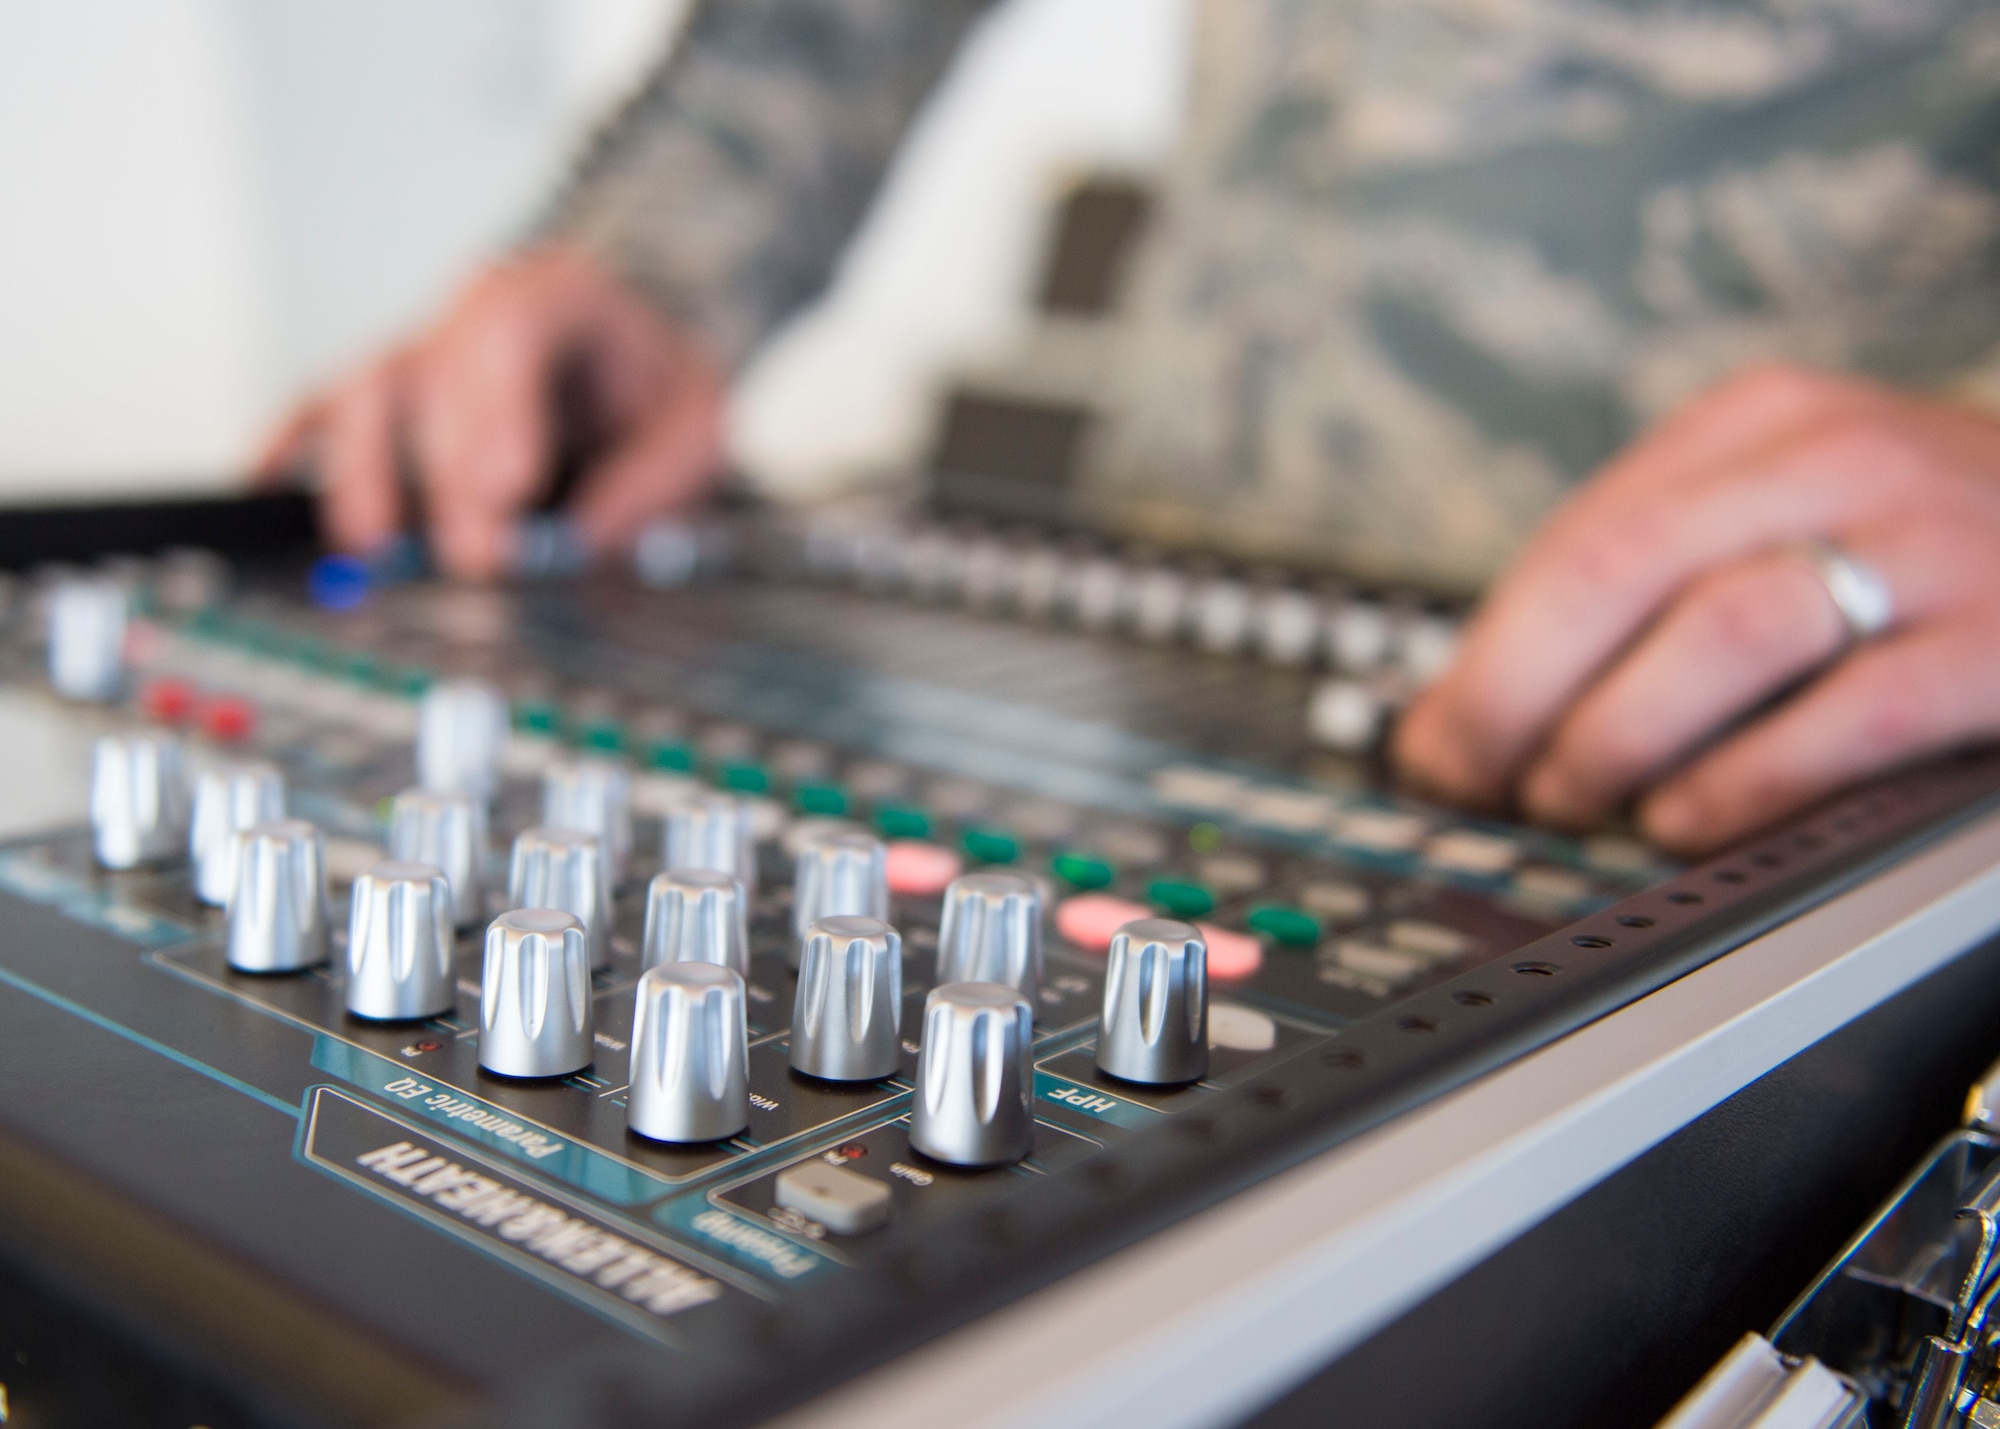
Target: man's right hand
<point>539,355</point>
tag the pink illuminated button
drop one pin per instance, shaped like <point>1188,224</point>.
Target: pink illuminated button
<point>1089,919</point>
<point>916,868</point>
<point>228,718</point>
<point>1231,956</point>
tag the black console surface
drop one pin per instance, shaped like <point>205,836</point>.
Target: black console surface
<point>269,1211</point>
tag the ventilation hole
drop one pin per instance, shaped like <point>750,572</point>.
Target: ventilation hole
<point>1206,1129</point>
<point>1417,1024</point>
<point>1107,1176</point>
<point>1634,920</point>
<point>1730,875</point>
<point>1346,1058</point>
<point>1473,999</point>
<point>1274,1098</point>
<point>1590,940</point>
<point>1537,969</point>
<point>1683,895</point>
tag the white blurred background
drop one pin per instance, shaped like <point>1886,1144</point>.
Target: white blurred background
<point>208,205</point>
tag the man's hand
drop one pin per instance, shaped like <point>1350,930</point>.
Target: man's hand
<point>539,356</point>
<point>1657,638</point>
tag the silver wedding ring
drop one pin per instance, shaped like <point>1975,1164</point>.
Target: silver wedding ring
<point>1856,588</point>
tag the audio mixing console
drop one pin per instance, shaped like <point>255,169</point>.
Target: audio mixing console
<point>591,1002</point>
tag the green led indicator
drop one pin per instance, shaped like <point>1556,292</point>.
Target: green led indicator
<point>990,846</point>
<point>901,822</point>
<point>1080,870</point>
<point>828,799</point>
<point>1284,925</point>
<point>1183,900</point>
<point>668,754</point>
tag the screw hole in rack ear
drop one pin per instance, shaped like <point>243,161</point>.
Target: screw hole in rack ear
<point>1635,920</point>
<point>1417,1024</point>
<point>1730,875</point>
<point>1537,969</point>
<point>1344,1058</point>
<point>1273,1097</point>
<point>1591,940</point>
<point>1683,896</point>
<point>1472,999</point>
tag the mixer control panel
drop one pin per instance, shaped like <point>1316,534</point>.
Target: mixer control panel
<point>694,954</point>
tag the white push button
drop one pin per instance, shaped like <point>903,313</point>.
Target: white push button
<point>845,1202</point>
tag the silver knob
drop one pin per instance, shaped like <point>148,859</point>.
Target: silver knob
<point>991,931</point>
<point>690,1057</point>
<point>1155,1024</point>
<point>277,909</point>
<point>461,734</point>
<point>839,873</point>
<point>973,1076</point>
<point>447,831</point>
<point>400,944</point>
<point>710,830</point>
<point>228,798</point>
<point>138,803</point>
<point>87,638</point>
<point>564,868</point>
<point>848,1019</point>
<point>1346,715</point>
<point>534,995</point>
<point>594,795</point>
<point>696,915</point>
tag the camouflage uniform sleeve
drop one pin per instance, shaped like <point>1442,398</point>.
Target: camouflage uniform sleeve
<point>725,188</point>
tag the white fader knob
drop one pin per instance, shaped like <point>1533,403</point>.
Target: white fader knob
<point>840,872</point>
<point>564,868</point>
<point>594,795</point>
<point>534,995</point>
<point>1155,1024</point>
<point>991,931</point>
<point>847,1019</point>
<point>973,1076</point>
<point>696,915</point>
<point>138,802</point>
<point>461,734</point>
<point>690,1058</point>
<point>277,910</point>
<point>228,798</point>
<point>447,831</point>
<point>399,944</point>
<point>87,639</point>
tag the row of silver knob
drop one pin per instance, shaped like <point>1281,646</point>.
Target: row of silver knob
<point>971,1109</point>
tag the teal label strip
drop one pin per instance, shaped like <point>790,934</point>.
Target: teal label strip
<point>1092,1102</point>
<point>549,1152</point>
<point>740,1240</point>
<point>28,877</point>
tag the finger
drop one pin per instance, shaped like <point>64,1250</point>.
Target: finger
<point>664,465</point>
<point>1730,641</point>
<point>288,448</point>
<point>1745,413</point>
<point>1583,592</point>
<point>1921,693</point>
<point>481,426</point>
<point>361,500</point>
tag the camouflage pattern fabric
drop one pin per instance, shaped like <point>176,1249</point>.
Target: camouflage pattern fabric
<point>728,185</point>
<point>1419,265</point>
